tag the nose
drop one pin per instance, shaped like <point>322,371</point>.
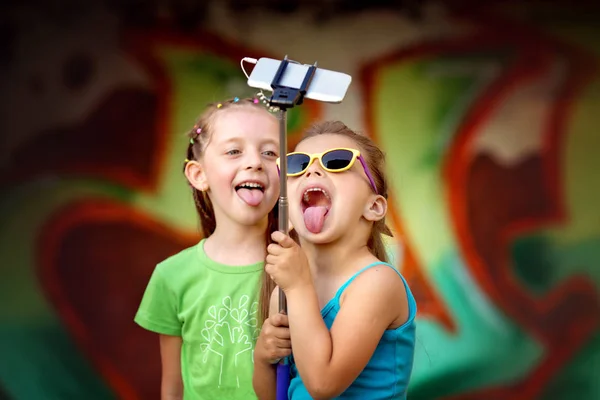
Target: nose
<point>254,161</point>
<point>314,169</point>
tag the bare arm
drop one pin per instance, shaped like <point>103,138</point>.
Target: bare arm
<point>171,387</point>
<point>329,361</point>
<point>272,344</point>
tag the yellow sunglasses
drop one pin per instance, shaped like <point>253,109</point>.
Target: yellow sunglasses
<point>333,160</point>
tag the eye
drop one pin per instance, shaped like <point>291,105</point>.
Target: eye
<point>233,152</point>
<point>270,153</point>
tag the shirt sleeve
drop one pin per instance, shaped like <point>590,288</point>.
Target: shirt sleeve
<point>158,308</point>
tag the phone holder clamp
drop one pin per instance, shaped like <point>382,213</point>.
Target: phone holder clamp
<point>286,97</point>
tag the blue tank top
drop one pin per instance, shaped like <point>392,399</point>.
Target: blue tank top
<point>387,373</point>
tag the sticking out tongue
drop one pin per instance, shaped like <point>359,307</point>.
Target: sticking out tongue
<point>252,197</point>
<point>314,217</point>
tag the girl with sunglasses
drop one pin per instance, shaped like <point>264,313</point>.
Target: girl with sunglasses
<point>350,313</point>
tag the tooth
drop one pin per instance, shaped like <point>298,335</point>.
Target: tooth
<point>315,190</point>
<point>252,185</point>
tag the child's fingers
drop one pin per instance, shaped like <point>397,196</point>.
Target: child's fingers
<point>270,260</point>
<point>283,343</point>
<point>279,354</point>
<point>282,353</point>
<point>277,236</point>
<point>273,342</point>
<point>271,270</point>
<point>280,319</point>
<point>274,249</point>
<point>276,348</point>
<point>284,240</point>
<point>281,333</point>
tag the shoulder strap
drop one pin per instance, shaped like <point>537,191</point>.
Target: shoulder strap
<point>353,277</point>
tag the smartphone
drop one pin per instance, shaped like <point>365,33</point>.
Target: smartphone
<point>328,86</point>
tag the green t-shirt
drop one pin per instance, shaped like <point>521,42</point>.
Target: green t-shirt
<point>213,307</point>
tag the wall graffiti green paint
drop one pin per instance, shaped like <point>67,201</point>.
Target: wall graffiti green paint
<point>417,109</point>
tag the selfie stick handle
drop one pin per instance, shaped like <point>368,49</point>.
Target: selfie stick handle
<point>284,98</point>
<point>283,198</point>
<point>283,369</point>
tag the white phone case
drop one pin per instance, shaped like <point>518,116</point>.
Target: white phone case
<point>327,86</point>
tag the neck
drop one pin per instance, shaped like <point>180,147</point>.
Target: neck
<point>235,244</point>
<point>337,257</point>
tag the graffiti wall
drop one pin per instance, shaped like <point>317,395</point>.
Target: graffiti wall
<point>490,125</point>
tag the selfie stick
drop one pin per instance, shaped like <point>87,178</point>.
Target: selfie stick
<point>285,97</point>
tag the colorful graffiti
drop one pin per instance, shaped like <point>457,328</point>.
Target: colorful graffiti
<point>491,196</point>
<point>490,140</point>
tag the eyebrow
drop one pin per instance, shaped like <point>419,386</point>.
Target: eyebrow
<point>239,139</point>
<point>232,140</point>
<point>271,141</point>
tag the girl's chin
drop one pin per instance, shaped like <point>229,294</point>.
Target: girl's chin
<point>322,237</point>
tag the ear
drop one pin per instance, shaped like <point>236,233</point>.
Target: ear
<point>195,175</point>
<point>376,208</point>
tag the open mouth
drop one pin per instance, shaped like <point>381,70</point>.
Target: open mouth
<point>251,192</point>
<point>316,204</point>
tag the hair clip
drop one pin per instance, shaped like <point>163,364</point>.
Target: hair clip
<point>260,95</point>
<point>219,105</point>
<point>236,99</point>
<point>198,130</point>
<point>186,161</point>
<point>191,140</point>
<point>255,100</point>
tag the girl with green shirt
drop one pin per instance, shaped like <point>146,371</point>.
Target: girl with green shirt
<point>204,301</point>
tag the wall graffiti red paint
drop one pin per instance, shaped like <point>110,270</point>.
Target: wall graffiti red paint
<point>517,200</point>
<point>99,236</point>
